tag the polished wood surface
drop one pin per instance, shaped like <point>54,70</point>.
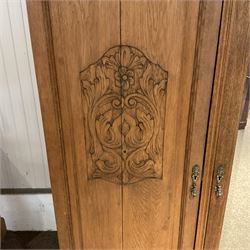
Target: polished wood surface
<point>42,45</point>
<point>206,47</point>
<point>98,203</point>
<point>124,99</point>
<point>83,50</point>
<point>224,119</point>
<point>152,208</point>
<point>82,31</point>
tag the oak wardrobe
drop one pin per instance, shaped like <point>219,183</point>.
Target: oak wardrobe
<point>136,100</point>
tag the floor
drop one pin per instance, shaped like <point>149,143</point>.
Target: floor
<point>236,228</point>
<point>30,240</point>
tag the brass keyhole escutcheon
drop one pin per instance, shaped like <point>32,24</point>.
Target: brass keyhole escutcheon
<point>195,176</point>
<point>219,177</point>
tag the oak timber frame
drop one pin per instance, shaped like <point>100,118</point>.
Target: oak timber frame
<point>228,88</point>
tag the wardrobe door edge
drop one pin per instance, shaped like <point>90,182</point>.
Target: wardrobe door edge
<point>228,88</point>
<point>43,52</point>
<point>203,74</point>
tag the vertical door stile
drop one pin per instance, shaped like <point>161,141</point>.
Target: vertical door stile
<point>80,31</point>
<point>165,32</point>
<point>202,83</point>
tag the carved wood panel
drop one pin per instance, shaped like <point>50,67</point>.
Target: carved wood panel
<point>124,98</point>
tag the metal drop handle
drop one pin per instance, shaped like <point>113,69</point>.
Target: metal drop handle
<point>195,176</point>
<point>219,177</point>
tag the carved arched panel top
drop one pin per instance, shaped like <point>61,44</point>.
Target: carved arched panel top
<point>124,96</point>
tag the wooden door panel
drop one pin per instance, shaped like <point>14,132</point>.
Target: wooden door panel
<point>82,32</point>
<point>122,76</point>
<point>166,33</point>
<point>124,100</point>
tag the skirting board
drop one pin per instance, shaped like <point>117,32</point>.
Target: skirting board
<point>28,212</point>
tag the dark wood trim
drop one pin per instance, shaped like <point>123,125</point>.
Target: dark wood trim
<point>7,191</point>
<point>224,119</point>
<point>245,103</point>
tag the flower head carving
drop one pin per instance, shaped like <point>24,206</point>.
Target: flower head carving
<point>124,77</point>
<point>126,65</point>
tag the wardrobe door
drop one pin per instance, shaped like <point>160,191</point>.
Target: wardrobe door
<point>181,38</point>
<point>123,86</point>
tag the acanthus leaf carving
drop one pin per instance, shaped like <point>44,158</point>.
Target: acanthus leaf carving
<point>124,97</point>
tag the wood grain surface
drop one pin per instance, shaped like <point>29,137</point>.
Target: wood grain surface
<point>42,45</point>
<point>166,32</point>
<point>124,97</point>
<point>224,120</point>
<point>82,31</point>
<point>71,42</point>
<point>206,49</point>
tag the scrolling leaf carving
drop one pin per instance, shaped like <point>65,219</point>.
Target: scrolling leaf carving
<point>124,96</point>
